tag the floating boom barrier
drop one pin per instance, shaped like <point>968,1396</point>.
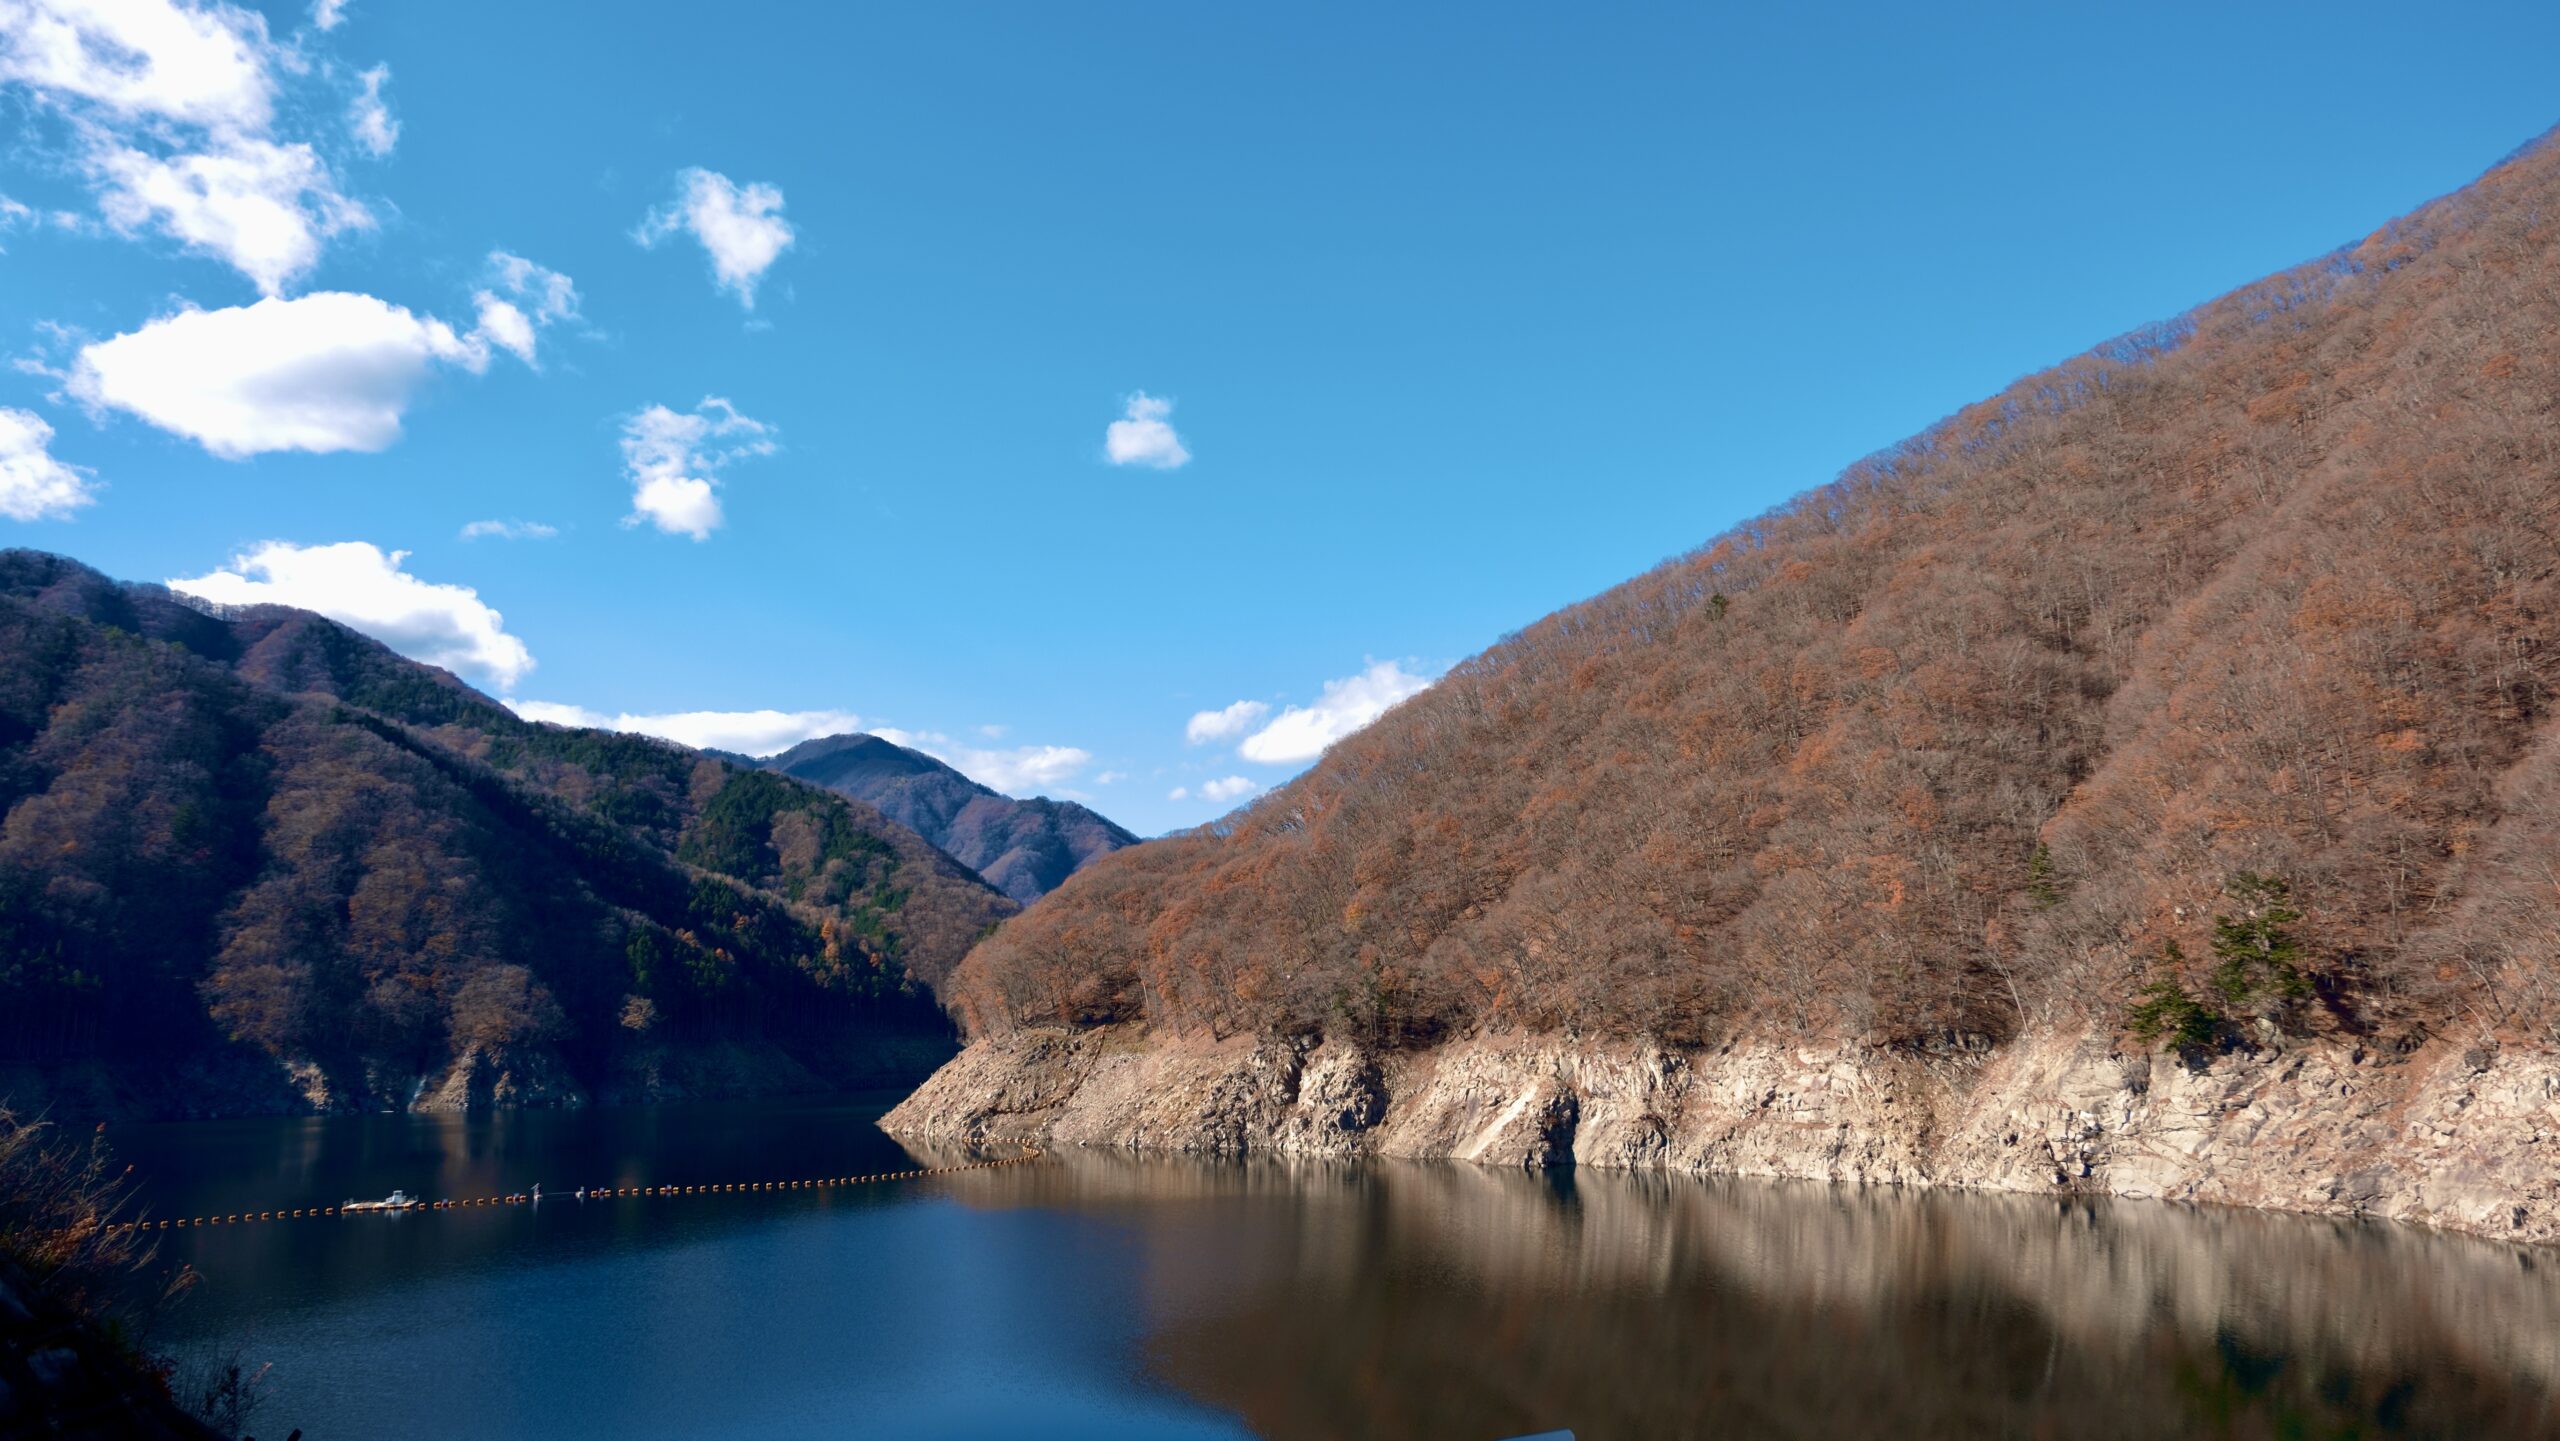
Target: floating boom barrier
<point>591,1193</point>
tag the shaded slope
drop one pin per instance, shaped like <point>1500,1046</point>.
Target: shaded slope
<point>2211,672</point>
<point>263,840</point>
<point>1024,848</point>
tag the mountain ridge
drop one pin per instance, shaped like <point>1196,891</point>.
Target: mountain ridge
<point>1023,847</point>
<point>2192,701</point>
<point>253,860</point>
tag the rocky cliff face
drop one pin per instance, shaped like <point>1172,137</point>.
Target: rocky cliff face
<point>2460,1134</point>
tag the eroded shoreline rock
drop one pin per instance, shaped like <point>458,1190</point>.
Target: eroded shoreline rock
<point>2460,1134</point>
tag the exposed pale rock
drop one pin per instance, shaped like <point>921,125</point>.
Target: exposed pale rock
<point>480,1080</point>
<point>2455,1134</point>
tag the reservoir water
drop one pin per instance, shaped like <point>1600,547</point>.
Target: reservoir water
<point>1092,1295</point>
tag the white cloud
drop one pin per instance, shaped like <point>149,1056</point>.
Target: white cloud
<point>740,226</point>
<point>1301,733</point>
<point>170,108</point>
<point>322,372</point>
<point>360,586</point>
<point>747,732</point>
<point>509,530</point>
<point>34,485</point>
<point>328,14</point>
<point>1218,725</point>
<point>261,207</point>
<point>1012,770</point>
<point>1018,769</point>
<point>505,319</point>
<point>551,295</point>
<point>369,118</point>
<point>1228,788</point>
<point>561,713</point>
<point>1022,768</point>
<point>143,59</point>
<point>1178,793</point>
<point>671,456</point>
<point>506,327</point>
<point>1110,778</point>
<point>1143,437</point>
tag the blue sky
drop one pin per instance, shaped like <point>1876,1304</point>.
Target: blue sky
<point>1449,314</point>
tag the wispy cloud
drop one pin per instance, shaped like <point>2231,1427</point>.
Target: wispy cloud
<point>171,114</point>
<point>672,458</point>
<point>263,208</point>
<point>369,115</point>
<point>508,530</point>
<point>521,300</point>
<point>739,226</point>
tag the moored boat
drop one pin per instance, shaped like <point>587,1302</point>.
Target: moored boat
<point>396,1201</point>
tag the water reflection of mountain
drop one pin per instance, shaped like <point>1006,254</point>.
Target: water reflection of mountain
<point>279,1269</point>
<point>1449,1301</point>
<point>1381,1300</point>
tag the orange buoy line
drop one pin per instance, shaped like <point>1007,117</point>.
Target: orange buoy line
<point>591,1193</point>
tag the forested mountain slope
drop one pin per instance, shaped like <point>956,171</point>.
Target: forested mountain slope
<point>2201,685</point>
<point>259,847</point>
<point>1024,848</point>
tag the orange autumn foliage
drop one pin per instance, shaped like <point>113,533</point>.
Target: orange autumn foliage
<point>2271,589</point>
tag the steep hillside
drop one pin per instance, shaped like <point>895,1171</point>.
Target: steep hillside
<point>1023,848</point>
<point>256,860</point>
<point>2196,693</point>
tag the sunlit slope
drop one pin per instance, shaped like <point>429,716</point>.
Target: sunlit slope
<point>2202,682</point>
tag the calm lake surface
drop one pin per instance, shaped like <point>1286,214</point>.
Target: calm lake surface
<point>1099,1296</point>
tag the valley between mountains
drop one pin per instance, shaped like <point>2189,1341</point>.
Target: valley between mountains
<point>256,862</point>
<point>2146,781</point>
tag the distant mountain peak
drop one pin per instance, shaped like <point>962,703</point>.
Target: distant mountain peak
<point>1024,848</point>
